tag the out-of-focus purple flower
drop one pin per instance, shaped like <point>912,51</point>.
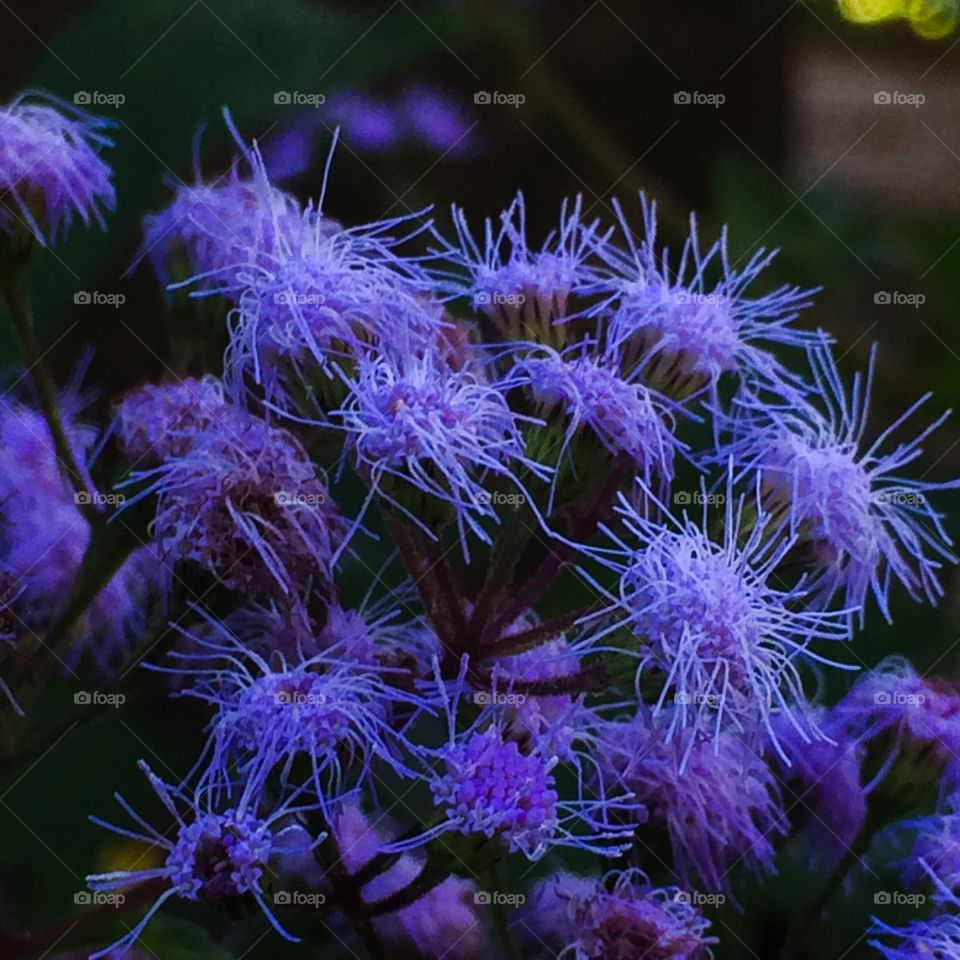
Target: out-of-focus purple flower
<point>289,153</point>
<point>824,778</point>
<point>718,800</point>
<point>214,853</point>
<point>893,697</point>
<point>443,924</point>
<point>158,421</point>
<point>684,330</point>
<point>524,290</point>
<point>557,722</point>
<point>724,637</point>
<point>50,167</point>
<point>864,523</point>
<point>367,123</point>
<point>245,503</point>
<point>443,432</point>
<point>937,938</point>
<point>44,537</point>
<point>621,917</point>
<point>437,120</point>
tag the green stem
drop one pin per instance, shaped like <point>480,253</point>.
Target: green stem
<point>21,313</point>
<point>507,945</point>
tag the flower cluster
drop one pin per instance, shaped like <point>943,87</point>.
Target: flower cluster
<point>486,550</point>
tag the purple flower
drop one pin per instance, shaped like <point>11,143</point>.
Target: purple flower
<point>937,938</point>
<point>824,779</point>
<point>416,425</point>
<point>712,624</point>
<point>161,421</point>
<point>368,124</point>
<point>436,119</point>
<point>443,924</point>
<point>315,293</point>
<point>214,230</point>
<point>936,853</point>
<point>211,855</point>
<point>245,503</point>
<point>684,330</point>
<point>559,723</point>
<point>522,289</point>
<point>622,917</point>
<point>863,523</point>
<point>320,302</point>
<point>628,419</point>
<point>717,799</point>
<point>489,787</point>
<point>894,697</point>
<point>335,714</point>
<point>50,166</point>
<point>484,783</point>
<point>44,538</point>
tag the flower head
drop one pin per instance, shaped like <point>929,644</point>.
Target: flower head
<point>685,329</point>
<point>335,715</point>
<point>825,774</point>
<point>415,424</point>
<point>212,854</point>
<point>244,502</point>
<point>161,421</point>
<point>489,787</point>
<point>714,626</point>
<point>864,523</point>
<point>621,917</point>
<point>893,697</point>
<point>523,289</point>
<point>717,800</point>
<point>627,418</point>
<point>220,227</point>
<point>485,783</point>
<point>50,166</point>
<point>44,538</point>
